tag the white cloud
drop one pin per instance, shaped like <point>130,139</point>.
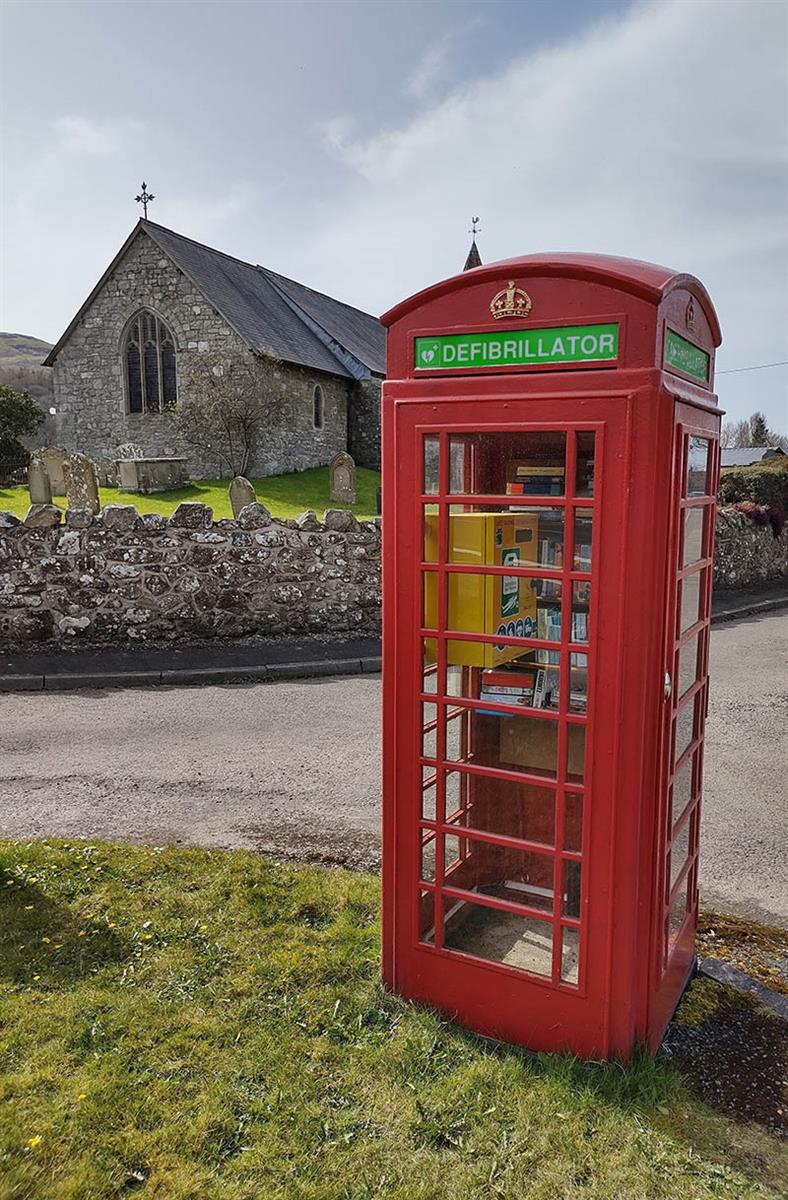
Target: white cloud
<point>430,69</point>
<point>85,136</point>
<point>659,134</point>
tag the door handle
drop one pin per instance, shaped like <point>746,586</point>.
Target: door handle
<point>667,686</point>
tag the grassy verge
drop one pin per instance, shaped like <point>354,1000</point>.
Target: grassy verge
<point>283,495</point>
<point>191,1025</point>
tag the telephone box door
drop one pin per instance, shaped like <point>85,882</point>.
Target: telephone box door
<point>507,589</point>
<point>687,628</point>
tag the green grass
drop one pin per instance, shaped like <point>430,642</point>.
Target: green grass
<point>191,1025</point>
<point>283,495</point>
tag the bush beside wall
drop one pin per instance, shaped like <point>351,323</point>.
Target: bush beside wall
<point>764,483</point>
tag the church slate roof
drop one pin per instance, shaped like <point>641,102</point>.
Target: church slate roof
<point>269,311</point>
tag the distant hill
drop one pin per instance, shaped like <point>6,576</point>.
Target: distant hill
<point>20,366</point>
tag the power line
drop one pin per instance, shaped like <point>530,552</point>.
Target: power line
<point>759,367</point>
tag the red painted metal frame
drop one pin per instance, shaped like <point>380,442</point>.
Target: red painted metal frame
<point>641,416</point>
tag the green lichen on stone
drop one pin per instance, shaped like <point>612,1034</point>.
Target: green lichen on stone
<point>707,1000</point>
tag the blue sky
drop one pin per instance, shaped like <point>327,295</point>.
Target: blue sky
<point>348,144</point>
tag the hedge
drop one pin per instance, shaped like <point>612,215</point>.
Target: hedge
<point>764,483</point>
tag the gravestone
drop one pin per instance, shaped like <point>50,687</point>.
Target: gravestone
<point>241,494</point>
<point>342,478</point>
<point>54,459</point>
<point>81,484</point>
<point>38,482</point>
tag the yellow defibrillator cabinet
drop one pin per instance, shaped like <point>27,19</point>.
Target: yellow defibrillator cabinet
<point>483,603</point>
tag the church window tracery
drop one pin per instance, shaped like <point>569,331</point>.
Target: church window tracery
<point>317,407</point>
<point>149,358</point>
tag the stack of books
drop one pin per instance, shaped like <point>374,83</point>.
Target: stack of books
<point>509,686</point>
<point>530,480</point>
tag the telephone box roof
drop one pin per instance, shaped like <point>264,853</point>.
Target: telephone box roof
<point>647,280</point>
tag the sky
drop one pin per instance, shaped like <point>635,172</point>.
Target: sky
<point>348,144</point>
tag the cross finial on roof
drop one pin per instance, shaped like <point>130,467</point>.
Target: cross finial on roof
<point>145,198</point>
<point>474,259</point>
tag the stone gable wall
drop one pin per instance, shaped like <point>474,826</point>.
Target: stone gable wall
<point>123,578</point>
<point>363,432</point>
<point>89,383</point>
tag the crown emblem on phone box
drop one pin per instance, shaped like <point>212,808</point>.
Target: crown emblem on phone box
<point>511,301</point>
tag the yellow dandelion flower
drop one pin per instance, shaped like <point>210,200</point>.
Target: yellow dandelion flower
<point>81,933</point>
<point>34,1141</point>
<point>36,977</point>
<point>46,939</point>
<point>147,937</point>
<point>28,907</point>
<point>82,1096</point>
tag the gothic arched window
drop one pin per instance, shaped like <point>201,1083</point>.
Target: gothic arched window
<point>317,407</point>
<point>149,362</point>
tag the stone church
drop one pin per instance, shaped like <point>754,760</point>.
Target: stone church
<point>165,305</point>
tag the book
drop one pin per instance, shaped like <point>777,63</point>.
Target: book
<point>508,687</point>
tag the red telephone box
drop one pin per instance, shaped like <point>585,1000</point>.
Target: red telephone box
<point>550,463</point>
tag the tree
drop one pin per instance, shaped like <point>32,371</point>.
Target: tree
<point>20,417</point>
<point>759,430</point>
<point>735,435</point>
<point>226,404</point>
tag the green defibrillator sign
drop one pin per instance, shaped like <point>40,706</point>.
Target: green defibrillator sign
<point>516,347</point>
<point>685,356</point>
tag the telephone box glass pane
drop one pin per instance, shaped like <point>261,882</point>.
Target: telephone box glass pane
<point>682,789</point>
<point>516,463</point>
<point>484,534</point>
<point>691,591</point>
<point>693,534</point>
<point>429,743</point>
<point>570,955</point>
<point>581,603</point>
<point>584,476</point>
<point>431,453</point>
<point>697,466</point>
<point>519,810</point>
<point>685,722</point>
<point>679,852</point>
<point>581,560</point>
<point>427,868</point>
<point>519,876</point>
<point>572,888</point>
<point>428,809</point>
<point>688,664</point>
<point>514,743</point>
<point>430,533</point>
<point>514,606</point>
<point>573,821</point>
<point>578,676</point>
<point>427,917</point>
<point>503,937</point>
<point>678,914</point>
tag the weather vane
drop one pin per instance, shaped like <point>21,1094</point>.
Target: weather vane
<point>475,226</point>
<point>145,198</point>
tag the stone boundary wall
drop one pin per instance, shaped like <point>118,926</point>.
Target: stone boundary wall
<point>746,553</point>
<point>121,578</point>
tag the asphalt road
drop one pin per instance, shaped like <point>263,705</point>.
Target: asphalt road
<point>293,768</point>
